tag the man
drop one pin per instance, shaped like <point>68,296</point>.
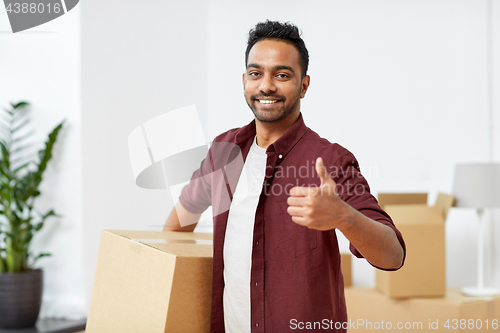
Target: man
<point>276,257</point>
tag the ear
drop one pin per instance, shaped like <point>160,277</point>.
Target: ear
<point>306,80</point>
<point>243,79</point>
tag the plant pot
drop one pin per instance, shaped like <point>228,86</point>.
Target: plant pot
<point>20,298</point>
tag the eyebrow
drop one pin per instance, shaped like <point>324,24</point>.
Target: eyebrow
<point>279,67</point>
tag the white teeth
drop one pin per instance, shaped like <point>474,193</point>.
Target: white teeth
<point>266,101</point>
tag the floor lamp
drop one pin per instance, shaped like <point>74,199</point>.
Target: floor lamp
<point>478,186</point>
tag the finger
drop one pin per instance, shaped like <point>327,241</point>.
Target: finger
<point>306,191</point>
<point>295,211</point>
<point>299,220</point>
<point>299,191</point>
<point>322,172</point>
<point>297,201</point>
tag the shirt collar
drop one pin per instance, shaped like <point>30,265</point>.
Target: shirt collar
<point>283,145</point>
<point>245,133</point>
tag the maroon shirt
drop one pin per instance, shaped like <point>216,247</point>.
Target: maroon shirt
<point>295,274</point>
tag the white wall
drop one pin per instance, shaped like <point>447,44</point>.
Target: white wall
<point>402,84</point>
<point>42,66</point>
<point>138,61</point>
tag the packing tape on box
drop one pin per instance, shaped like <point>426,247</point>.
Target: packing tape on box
<point>173,241</point>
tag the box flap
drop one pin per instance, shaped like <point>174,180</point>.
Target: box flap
<point>444,202</point>
<point>129,277</point>
<point>184,250</point>
<point>413,214</point>
<point>141,234</point>
<point>177,243</point>
<point>401,198</point>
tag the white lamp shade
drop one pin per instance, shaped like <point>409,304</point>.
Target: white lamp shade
<point>477,185</point>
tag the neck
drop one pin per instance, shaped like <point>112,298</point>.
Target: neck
<point>267,133</point>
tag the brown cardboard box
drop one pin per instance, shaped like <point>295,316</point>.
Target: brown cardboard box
<point>346,267</point>
<point>151,282</point>
<point>422,226</point>
<point>370,311</point>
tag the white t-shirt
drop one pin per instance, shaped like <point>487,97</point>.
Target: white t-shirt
<point>238,241</point>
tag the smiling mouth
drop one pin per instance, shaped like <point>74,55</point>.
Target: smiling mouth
<point>268,101</point>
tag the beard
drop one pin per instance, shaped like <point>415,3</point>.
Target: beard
<point>277,114</point>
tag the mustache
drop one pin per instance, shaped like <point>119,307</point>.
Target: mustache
<point>258,96</point>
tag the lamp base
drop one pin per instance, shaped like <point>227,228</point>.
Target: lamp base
<point>480,292</point>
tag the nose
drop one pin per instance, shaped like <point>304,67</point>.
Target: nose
<point>267,85</point>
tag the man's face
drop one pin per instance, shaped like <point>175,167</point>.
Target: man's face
<point>273,80</point>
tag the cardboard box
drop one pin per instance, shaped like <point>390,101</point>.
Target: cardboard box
<point>346,267</point>
<point>151,282</point>
<point>371,311</point>
<point>422,226</point>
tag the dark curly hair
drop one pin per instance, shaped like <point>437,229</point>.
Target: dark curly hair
<point>283,31</point>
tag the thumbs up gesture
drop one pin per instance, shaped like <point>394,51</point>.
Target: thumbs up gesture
<point>318,207</point>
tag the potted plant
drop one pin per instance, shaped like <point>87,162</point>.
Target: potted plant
<point>20,282</point>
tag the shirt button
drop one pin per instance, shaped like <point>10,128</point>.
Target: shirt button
<point>281,156</point>
<point>256,324</point>
<point>257,243</point>
<point>256,284</point>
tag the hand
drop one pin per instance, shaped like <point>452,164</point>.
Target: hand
<point>319,207</point>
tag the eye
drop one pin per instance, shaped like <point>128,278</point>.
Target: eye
<point>283,76</point>
<point>253,74</point>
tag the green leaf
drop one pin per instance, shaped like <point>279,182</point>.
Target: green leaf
<point>14,213</point>
<point>21,104</point>
<point>4,127</point>
<point>5,155</point>
<point>27,135</point>
<point>3,267</point>
<point>17,248</point>
<point>27,239</point>
<point>20,113</point>
<point>5,117</point>
<point>3,141</point>
<point>20,160</point>
<point>24,123</point>
<point>4,172</point>
<point>50,213</point>
<point>46,154</point>
<point>44,217</point>
<point>21,149</point>
<point>21,167</point>
<point>41,255</point>
<point>5,195</point>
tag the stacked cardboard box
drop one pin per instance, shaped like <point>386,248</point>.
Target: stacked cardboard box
<point>415,297</point>
<point>422,226</point>
<point>372,311</point>
<point>346,267</point>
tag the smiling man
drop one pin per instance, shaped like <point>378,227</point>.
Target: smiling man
<point>276,265</point>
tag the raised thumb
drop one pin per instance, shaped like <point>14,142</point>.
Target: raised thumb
<point>322,172</point>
